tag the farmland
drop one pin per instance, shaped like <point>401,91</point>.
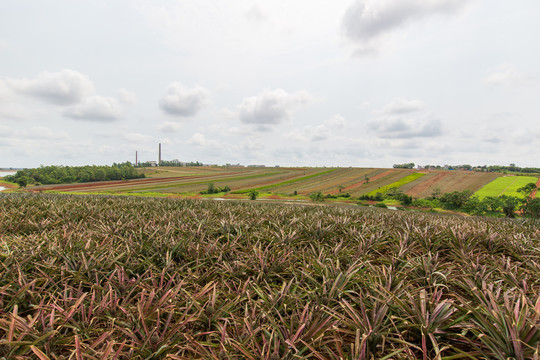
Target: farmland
<point>122,277</point>
<point>506,185</point>
<point>284,182</point>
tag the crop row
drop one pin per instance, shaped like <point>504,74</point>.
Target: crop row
<point>397,184</point>
<point>95,277</point>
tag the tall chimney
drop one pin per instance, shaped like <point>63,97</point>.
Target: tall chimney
<point>159,159</point>
<point>136,159</point>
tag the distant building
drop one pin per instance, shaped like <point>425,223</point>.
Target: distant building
<point>152,163</point>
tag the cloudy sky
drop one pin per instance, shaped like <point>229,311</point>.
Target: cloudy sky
<point>303,82</point>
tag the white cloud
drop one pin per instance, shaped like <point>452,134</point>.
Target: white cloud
<point>44,133</point>
<point>319,132</point>
<point>96,108</point>
<point>255,14</point>
<point>5,131</point>
<point>127,97</point>
<point>182,101</point>
<point>61,88</point>
<point>402,106</point>
<point>169,127</point>
<point>366,22</point>
<point>404,119</point>
<point>403,128</point>
<point>270,107</point>
<point>199,139</point>
<point>505,74</point>
<point>136,138</point>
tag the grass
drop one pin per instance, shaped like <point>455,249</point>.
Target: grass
<point>106,277</point>
<point>506,185</point>
<point>397,184</point>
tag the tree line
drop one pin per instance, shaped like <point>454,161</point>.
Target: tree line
<point>74,174</point>
<point>170,163</point>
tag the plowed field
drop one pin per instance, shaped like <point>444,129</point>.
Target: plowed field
<point>447,181</point>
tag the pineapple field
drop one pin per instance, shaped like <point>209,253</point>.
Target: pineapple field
<point>102,277</point>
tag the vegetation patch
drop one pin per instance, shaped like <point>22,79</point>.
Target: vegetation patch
<point>506,185</point>
<point>395,185</point>
<point>102,277</point>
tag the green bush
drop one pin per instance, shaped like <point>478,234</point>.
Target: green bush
<point>317,196</point>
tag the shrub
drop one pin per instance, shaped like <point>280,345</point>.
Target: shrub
<point>213,190</point>
<point>455,199</point>
<point>531,207</point>
<point>253,194</point>
<point>425,203</point>
<point>317,196</point>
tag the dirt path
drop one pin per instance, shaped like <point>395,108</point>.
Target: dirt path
<point>425,185</point>
<point>533,194</point>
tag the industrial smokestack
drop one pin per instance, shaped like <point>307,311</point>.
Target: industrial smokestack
<point>136,159</point>
<point>159,159</point>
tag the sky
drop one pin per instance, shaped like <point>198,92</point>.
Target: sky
<point>367,83</point>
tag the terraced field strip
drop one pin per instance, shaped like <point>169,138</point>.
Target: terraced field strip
<point>424,184</point>
<point>305,186</point>
<point>373,175</point>
<point>454,181</point>
<point>240,184</point>
<point>285,182</point>
<point>216,179</point>
<point>106,184</point>
<point>325,183</point>
<point>346,180</point>
<point>149,183</point>
<point>397,184</point>
<point>389,177</point>
<point>506,185</point>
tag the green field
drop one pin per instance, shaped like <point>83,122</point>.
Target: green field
<point>506,185</point>
<point>102,277</point>
<point>397,184</point>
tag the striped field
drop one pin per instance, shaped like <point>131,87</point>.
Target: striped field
<point>506,185</point>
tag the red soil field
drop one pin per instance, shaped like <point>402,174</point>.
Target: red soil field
<point>359,184</point>
<point>105,184</point>
<point>533,194</point>
<point>426,185</point>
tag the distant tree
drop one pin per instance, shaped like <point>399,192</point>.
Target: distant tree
<point>253,194</point>
<point>455,199</point>
<point>531,207</point>
<point>341,187</point>
<point>316,196</point>
<point>528,189</point>
<point>22,181</point>
<point>509,205</point>
<point>494,203</point>
<point>476,206</point>
<point>366,179</point>
<point>404,166</point>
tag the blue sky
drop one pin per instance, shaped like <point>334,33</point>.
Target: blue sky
<point>294,83</point>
